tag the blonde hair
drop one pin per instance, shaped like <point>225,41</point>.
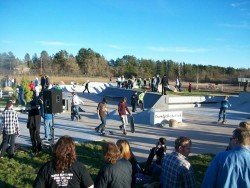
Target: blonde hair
<point>125,150</point>
<point>245,124</point>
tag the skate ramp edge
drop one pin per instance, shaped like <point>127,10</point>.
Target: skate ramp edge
<point>118,93</point>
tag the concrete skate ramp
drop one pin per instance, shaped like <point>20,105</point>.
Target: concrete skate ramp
<point>118,93</point>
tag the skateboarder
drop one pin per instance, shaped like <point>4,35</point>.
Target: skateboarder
<point>223,109</point>
<point>102,112</point>
<point>141,99</point>
<point>122,110</point>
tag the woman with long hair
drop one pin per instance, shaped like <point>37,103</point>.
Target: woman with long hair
<point>116,172</point>
<point>126,153</point>
<point>63,170</point>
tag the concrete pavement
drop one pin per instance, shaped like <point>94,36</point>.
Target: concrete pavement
<point>198,123</point>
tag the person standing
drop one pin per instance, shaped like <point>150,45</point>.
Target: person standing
<point>189,87</point>
<point>76,101</point>
<point>223,109</point>
<point>63,170</point>
<point>141,99</point>
<point>164,83</point>
<point>245,86</point>
<point>10,128</point>
<point>122,110</point>
<point>33,124</point>
<point>158,81</point>
<point>231,168</point>
<point>20,92</point>
<point>102,113</point>
<point>134,101</point>
<point>86,86</point>
<point>176,169</point>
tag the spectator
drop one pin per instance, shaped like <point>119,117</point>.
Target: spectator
<point>189,87</point>
<point>231,168</point>
<point>164,83</point>
<point>122,110</point>
<point>33,124</point>
<point>31,86</point>
<point>10,128</point>
<point>116,173</point>
<point>223,109</point>
<point>141,99</point>
<point>176,170</point>
<point>126,153</point>
<point>20,92</point>
<point>86,86</point>
<point>245,86</point>
<point>158,81</point>
<point>102,113</point>
<point>76,101</point>
<point>243,124</point>
<point>63,170</point>
<point>134,101</point>
<point>159,151</point>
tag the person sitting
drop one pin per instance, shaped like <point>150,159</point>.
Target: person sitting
<point>127,154</point>
<point>116,172</point>
<point>176,169</point>
<point>63,170</point>
<point>159,151</point>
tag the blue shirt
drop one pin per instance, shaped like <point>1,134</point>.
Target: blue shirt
<point>48,116</point>
<point>229,169</point>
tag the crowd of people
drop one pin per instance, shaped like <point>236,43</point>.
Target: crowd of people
<point>230,168</point>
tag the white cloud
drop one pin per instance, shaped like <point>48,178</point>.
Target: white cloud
<point>177,49</point>
<point>117,47</point>
<point>239,4</point>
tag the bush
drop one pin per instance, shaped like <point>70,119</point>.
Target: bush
<point>27,93</point>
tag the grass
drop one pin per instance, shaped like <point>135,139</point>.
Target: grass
<point>21,171</point>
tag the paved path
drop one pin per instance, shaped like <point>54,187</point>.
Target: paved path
<point>198,123</point>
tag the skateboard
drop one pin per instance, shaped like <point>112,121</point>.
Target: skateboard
<point>132,124</point>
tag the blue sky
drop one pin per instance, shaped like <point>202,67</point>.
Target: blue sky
<point>209,32</point>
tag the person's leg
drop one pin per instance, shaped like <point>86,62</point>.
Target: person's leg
<point>50,123</point>
<point>150,159</point>
<point>12,145</point>
<point>46,129</point>
<point>220,112</point>
<point>32,138</point>
<point>224,115</point>
<point>38,139</point>
<point>102,127</point>
<point>133,107</point>
<point>142,105</point>
<point>5,144</point>
<point>125,119</point>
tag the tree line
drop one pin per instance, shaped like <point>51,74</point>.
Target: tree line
<point>90,63</point>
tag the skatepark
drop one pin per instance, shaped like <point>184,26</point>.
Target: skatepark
<point>199,120</point>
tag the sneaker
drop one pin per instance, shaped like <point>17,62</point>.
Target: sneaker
<point>102,134</point>
<point>96,130</point>
<point>120,127</point>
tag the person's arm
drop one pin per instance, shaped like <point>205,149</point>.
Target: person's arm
<point>127,110</point>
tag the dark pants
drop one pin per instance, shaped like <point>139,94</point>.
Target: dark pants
<point>223,112</point>
<point>163,90</point>
<point>75,112</point>
<point>86,88</point>
<point>34,129</point>
<point>102,125</point>
<point>133,104</point>
<point>8,139</point>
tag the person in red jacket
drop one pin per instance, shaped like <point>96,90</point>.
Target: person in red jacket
<point>122,110</point>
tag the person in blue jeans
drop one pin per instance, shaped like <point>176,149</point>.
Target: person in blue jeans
<point>48,123</point>
<point>223,109</point>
